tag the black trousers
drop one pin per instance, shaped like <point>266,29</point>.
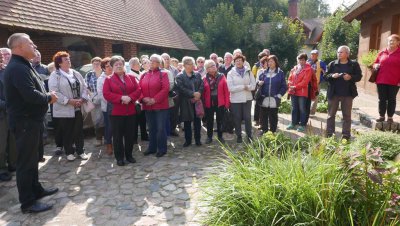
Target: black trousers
<point>270,119</point>
<point>123,131</point>
<point>28,134</point>
<point>387,99</point>
<point>57,132</point>
<point>173,117</point>
<point>187,125</point>
<point>72,133</point>
<point>141,122</point>
<point>219,111</point>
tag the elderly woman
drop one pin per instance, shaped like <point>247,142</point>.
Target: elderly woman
<point>107,73</point>
<point>200,66</point>
<point>190,89</point>
<point>72,94</point>
<point>154,99</point>
<point>121,91</point>
<point>298,81</point>
<point>145,65</point>
<point>134,64</point>
<point>388,79</point>
<point>97,116</point>
<point>272,85</point>
<point>241,82</point>
<point>216,99</point>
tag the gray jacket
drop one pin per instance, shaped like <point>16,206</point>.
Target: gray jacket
<point>60,84</point>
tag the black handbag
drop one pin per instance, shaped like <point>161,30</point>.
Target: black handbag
<point>374,74</point>
<point>228,121</point>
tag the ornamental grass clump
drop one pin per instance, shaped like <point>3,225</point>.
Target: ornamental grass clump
<point>388,142</point>
<point>285,187</point>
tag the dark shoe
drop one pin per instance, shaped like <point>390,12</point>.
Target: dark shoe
<point>239,140</point>
<point>186,144</point>
<point>120,163</point>
<point>42,160</point>
<point>174,134</point>
<point>221,139</point>
<point>209,140</point>
<point>47,192</point>
<point>58,151</point>
<point>131,160</point>
<point>160,154</point>
<point>6,176</point>
<point>37,207</point>
<point>11,168</point>
<point>380,119</point>
<point>390,120</point>
<point>148,152</point>
<point>198,143</point>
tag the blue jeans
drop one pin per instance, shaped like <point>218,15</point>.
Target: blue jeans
<point>299,112</point>
<point>107,129</point>
<point>156,121</point>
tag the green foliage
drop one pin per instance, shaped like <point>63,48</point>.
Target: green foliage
<point>286,106</point>
<point>336,33</point>
<point>322,106</point>
<point>369,58</point>
<point>313,9</point>
<point>285,39</point>
<point>315,182</point>
<point>388,142</point>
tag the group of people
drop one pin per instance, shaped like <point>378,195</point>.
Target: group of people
<point>155,97</point>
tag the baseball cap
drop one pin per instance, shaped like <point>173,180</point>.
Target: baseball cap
<point>314,51</point>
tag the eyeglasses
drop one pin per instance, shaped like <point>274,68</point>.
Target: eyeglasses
<point>213,58</point>
<point>200,62</point>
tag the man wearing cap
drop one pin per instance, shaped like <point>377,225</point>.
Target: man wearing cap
<point>319,68</point>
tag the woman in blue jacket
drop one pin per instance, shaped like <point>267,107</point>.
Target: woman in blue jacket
<point>273,86</point>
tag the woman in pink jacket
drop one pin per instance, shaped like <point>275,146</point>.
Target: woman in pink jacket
<point>299,78</point>
<point>155,88</point>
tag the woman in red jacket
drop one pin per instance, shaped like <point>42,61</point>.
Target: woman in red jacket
<point>388,79</point>
<point>215,98</point>
<point>299,78</point>
<point>155,88</point>
<point>121,91</point>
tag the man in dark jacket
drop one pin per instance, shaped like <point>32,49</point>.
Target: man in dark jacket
<point>27,103</point>
<point>342,76</point>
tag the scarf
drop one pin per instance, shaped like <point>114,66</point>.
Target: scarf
<point>240,71</point>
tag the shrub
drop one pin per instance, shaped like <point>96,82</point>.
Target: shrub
<point>369,58</point>
<point>285,107</point>
<point>388,142</point>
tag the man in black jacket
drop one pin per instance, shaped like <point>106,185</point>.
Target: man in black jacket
<point>342,76</point>
<point>27,103</point>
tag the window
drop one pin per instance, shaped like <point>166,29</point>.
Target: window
<point>396,24</point>
<point>375,37</point>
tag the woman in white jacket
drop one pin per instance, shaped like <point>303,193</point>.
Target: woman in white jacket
<point>240,84</point>
<point>72,93</point>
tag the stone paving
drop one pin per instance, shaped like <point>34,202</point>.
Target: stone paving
<point>153,191</point>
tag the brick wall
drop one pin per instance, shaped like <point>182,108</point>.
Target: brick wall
<point>103,48</point>
<point>129,50</point>
<point>48,45</point>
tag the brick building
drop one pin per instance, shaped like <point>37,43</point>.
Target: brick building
<point>93,28</point>
<point>379,19</point>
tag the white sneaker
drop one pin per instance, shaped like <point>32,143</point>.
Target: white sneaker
<point>84,156</point>
<point>70,157</point>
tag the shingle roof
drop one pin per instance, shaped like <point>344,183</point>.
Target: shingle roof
<point>359,7</point>
<point>144,22</point>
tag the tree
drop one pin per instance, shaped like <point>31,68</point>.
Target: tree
<point>284,39</point>
<point>313,9</point>
<point>337,32</point>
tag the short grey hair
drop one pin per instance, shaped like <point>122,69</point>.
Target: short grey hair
<point>237,51</point>
<point>165,55</point>
<point>156,57</point>
<point>15,39</point>
<point>213,54</point>
<point>200,58</point>
<point>5,50</point>
<point>228,54</point>
<point>134,60</point>
<point>346,48</point>
<point>209,63</point>
<point>114,59</point>
<point>187,60</point>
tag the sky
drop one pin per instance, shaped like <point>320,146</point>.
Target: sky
<point>334,4</point>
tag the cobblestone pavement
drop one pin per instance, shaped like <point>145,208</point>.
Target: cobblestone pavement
<point>153,191</point>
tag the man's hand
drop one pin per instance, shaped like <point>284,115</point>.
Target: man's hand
<point>54,97</point>
<point>196,95</point>
<point>336,75</point>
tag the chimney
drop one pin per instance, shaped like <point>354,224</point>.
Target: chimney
<point>293,9</point>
